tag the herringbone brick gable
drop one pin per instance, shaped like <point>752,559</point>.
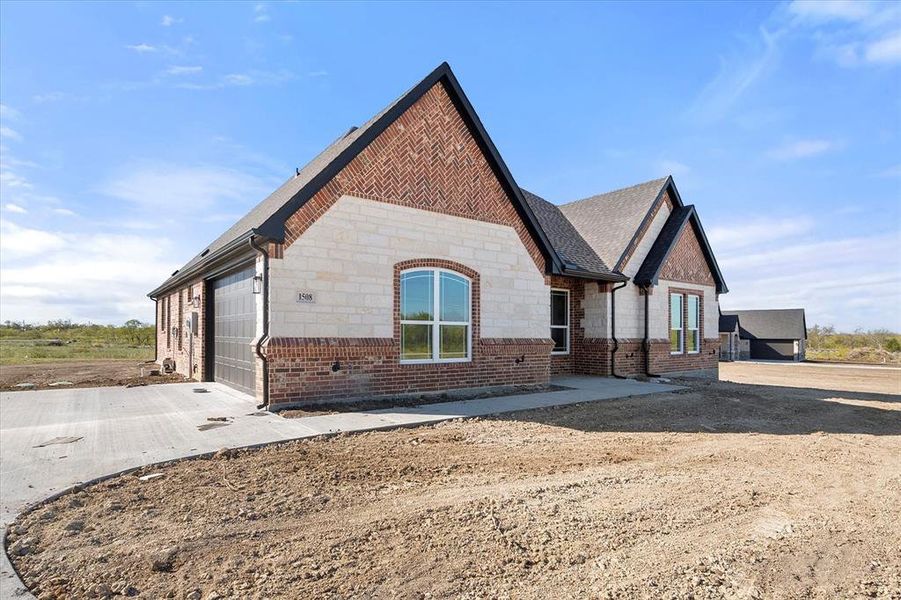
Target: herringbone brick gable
<point>426,159</point>
<point>686,261</point>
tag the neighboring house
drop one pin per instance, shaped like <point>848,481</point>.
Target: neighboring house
<point>777,334</point>
<point>405,259</point>
<point>730,340</point>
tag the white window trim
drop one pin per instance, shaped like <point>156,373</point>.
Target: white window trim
<point>681,297</point>
<point>697,320</point>
<point>436,322</point>
<point>566,327</point>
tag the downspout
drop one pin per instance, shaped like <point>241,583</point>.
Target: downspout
<point>613,329</point>
<point>646,344</point>
<point>265,334</point>
<point>156,332</point>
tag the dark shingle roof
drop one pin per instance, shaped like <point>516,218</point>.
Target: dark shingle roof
<point>679,218</point>
<point>728,323</point>
<point>267,219</point>
<point>569,245</point>
<point>608,222</point>
<point>773,324</point>
<point>274,201</point>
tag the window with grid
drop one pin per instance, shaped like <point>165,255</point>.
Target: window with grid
<point>676,325</point>
<point>692,324</point>
<point>435,316</point>
<point>560,321</point>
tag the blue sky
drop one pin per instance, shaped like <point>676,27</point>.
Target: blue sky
<point>134,133</point>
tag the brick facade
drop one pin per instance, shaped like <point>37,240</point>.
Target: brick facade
<point>171,338</point>
<point>686,261</point>
<point>312,369</point>
<point>426,159</point>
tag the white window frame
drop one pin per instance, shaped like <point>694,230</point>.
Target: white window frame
<point>566,327</point>
<point>681,297</point>
<point>436,322</point>
<point>697,322</point>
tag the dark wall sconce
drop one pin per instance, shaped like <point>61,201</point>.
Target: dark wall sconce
<point>520,359</point>
<point>336,366</point>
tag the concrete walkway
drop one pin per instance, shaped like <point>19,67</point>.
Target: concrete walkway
<point>53,439</point>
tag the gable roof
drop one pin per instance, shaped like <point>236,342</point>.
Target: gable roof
<point>772,324</point>
<point>267,219</point>
<point>571,247</point>
<point>728,323</point>
<point>610,222</point>
<point>681,216</point>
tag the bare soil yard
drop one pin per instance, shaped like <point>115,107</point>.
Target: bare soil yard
<point>720,491</point>
<point>81,373</point>
<point>850,378</point>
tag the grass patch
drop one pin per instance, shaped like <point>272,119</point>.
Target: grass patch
<point>63,340</point>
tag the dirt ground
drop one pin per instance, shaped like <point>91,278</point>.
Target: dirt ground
<point>719,491</point>
<point>850,378</point>
<point>81,373</point>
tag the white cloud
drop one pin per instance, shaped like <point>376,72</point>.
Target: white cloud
<point>847,282</point>
<point>261,14</point>
<point>7,112</point>
<point>142,48</point>
<point>169,21</point>
<point>19,241</point>
<point>169,189</point>
<point>886,50</point>
<point>183,70</point>
<point>79,276</point>
<point>801,149</point>
<point>852,34</point>
<point>893,171</point>
<point>737,75</point>
<point>755,231</point>
<point>13,180</point>
<point>827,10</point>
<point>65,212</point>
<point>238,79</point>
<point>241,80</point>
<point>319,73</point>
<point>12,134</point>
<point>15,208</point>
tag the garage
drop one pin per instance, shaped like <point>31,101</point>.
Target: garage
<point>234,328</point>
<point>773,349</point>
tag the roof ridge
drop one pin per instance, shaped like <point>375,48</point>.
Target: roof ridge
<point>622,189</point>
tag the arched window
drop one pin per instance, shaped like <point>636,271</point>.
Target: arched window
<point>435,316</point>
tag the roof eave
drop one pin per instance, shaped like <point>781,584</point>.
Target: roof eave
<point>222,255</point>
<point>574,271</point>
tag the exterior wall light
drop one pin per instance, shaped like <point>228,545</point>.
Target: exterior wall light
<point>195,301</point>
<point>257,284</point>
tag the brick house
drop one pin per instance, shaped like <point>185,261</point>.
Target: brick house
<point>404,258</point>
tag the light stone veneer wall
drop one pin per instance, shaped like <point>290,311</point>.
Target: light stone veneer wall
<point>347,257</point>
<point>659,305</point>
<point>629,302</point>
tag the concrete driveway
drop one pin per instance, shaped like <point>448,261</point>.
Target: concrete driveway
<point>53,439</point>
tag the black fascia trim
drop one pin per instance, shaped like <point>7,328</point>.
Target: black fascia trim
<point>274,226</point>
<point>690,216</point>
<point>225,256</point>
<point>488,148</point>
<point>668,184</point>
<point>572,271</point>
<point>721,287</point>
